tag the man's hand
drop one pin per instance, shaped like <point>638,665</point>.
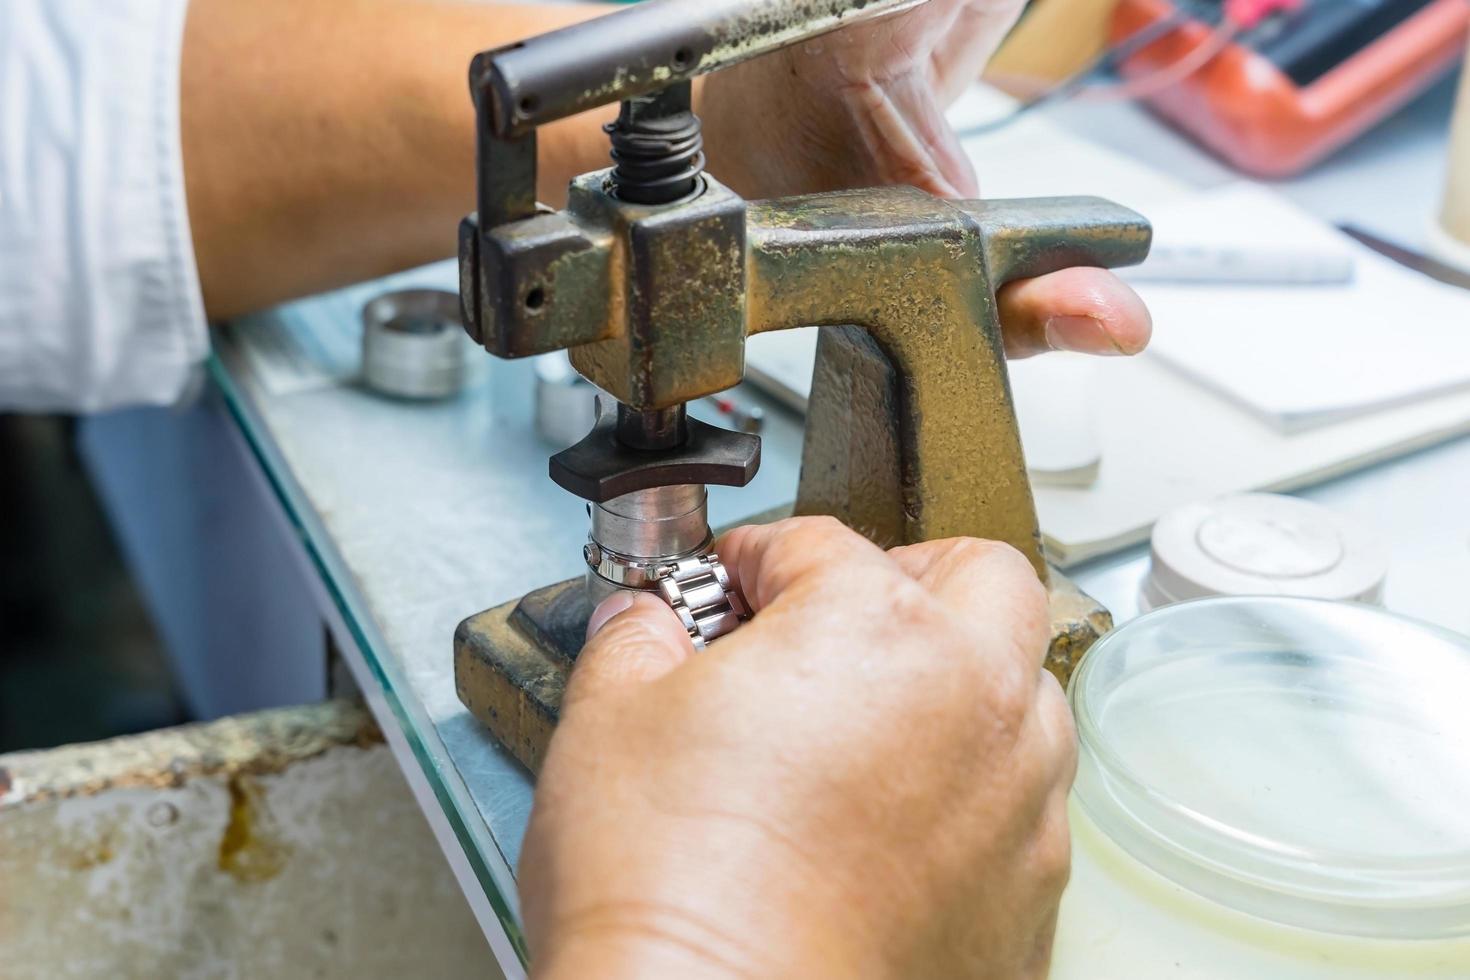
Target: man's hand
<point>867,780</point>
<point>864,106</point>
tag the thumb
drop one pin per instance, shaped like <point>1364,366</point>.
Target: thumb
<point>633,638</point>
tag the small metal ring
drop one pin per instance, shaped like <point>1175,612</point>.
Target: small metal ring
<point>413,344</point>
<point>629,571</point>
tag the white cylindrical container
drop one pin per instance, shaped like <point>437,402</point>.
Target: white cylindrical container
<point>1056,409</point>
<point>1270,788</point>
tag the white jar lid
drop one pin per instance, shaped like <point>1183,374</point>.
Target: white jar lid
<point>1262,544</point>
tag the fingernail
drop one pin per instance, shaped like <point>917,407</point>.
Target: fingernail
<point>1080,333</point>
<point>618,602</point>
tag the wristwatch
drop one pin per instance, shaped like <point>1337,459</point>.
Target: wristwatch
<point>698,590</point>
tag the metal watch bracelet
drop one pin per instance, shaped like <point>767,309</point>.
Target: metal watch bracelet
<point>698,590</point>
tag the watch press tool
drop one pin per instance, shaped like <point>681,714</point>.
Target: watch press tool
<point>652,278</point>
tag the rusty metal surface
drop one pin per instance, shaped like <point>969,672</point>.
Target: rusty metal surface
<point>642,49</point>
<point>850,457</point>
<point>264,742</point>
<point>916,273</point>
<point>1077,621</point>
<point>539,284</point>
<point>1029,237</point>
<point>654,304</point>
<point>677,305</point>
<point>511,665</point>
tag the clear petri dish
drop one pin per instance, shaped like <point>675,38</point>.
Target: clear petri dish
<point>1302,761</point>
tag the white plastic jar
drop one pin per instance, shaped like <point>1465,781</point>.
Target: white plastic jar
<point>1270,788</point>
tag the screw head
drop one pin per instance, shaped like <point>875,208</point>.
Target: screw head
<point>592,554</point>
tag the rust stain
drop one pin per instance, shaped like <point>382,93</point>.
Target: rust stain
<point>262,743</point>
<point>247,850</point>
<point>92,854</point>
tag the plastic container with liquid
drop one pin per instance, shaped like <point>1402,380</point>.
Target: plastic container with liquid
<point>1270,788</point>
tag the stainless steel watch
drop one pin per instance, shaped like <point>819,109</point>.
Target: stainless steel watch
<point>699,591</point>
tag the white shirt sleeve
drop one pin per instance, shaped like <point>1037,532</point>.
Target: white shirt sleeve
<point>100,304</point>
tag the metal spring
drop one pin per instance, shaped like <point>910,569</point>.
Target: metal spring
<point>656,160</point>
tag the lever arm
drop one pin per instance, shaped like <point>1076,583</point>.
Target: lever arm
<point>644,48</point>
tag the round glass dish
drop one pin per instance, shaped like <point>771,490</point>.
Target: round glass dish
<point>1301,761</point>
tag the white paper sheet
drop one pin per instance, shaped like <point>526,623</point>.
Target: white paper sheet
<point>1303,356</point>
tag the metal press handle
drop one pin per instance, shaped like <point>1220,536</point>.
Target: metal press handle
<point>643,49</point>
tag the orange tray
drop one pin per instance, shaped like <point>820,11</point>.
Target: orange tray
<point>1248,111</point>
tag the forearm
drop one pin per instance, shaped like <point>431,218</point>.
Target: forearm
<point>333,141</point>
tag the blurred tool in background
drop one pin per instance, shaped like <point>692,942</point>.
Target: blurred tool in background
<point>1272,86</point>
<point>1440,271</point>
